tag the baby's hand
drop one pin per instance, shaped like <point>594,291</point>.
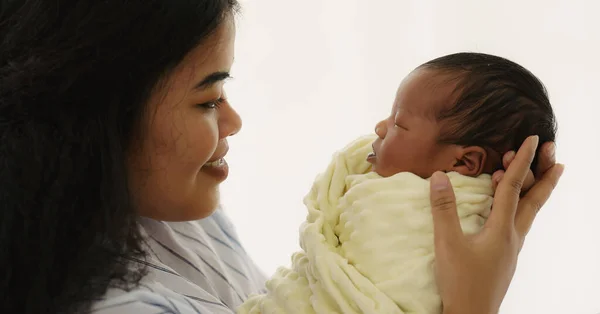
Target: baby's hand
<point>547,160</point>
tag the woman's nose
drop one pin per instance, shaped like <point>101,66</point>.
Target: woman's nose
<point>230,122</point>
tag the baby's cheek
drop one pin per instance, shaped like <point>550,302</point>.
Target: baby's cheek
<point>395,159</point>
<point>388,167</point>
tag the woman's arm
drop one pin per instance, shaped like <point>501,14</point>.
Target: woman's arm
<point>473,272</point>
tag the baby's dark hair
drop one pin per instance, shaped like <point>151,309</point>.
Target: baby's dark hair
<point>498,104</point>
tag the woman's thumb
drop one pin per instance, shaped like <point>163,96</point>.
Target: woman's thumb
<point>443,208</point>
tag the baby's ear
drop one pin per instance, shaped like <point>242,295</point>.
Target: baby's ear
<point>470,161</point>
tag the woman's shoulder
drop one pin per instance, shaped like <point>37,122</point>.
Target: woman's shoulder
<point>210,243</point>
<point>193,267</point>
<point>155,298</point>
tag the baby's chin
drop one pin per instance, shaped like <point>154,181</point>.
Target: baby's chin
<point>381,172</point>
<point>386,172</point>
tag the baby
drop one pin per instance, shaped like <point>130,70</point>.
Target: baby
<point>367,243</point>
<point>461,113</point>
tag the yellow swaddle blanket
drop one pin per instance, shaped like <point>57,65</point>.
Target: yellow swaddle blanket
<point>367,243</point>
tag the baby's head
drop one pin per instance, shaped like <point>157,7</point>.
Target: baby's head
<point>461,113</point>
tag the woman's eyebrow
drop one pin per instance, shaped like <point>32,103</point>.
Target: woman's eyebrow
<point>211,79</point>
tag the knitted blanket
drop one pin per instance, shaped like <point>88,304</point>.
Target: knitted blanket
<point>367,242</point>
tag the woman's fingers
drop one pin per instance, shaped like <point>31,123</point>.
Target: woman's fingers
<point>546,159</point>
<point>496,177</point>
<point>443,208</point>
<point>528,183</point>
<point>533,201</point>
<point>529,180</point>
<point>507,195</point>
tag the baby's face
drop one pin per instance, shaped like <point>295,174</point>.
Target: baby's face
<point>407,139</point>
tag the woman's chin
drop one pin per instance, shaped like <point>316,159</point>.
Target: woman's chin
<point>191,214</point>
<point>197,206</point>
<point>202,207</point>
<point>207,203</point>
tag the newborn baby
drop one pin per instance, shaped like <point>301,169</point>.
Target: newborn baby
<point>367,243</point>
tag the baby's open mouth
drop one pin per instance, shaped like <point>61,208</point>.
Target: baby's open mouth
<point>372,155</point>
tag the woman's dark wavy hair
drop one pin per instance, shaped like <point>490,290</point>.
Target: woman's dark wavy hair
<point>75,76</point>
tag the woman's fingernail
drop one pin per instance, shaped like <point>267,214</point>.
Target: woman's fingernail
<point>552,149</point>
<point>536,140</point>
<point>497,177</point>
<point>508,157</point>
<point>561,169</point>
<point>439,181</point>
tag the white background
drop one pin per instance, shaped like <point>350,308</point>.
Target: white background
<point>312,75</point>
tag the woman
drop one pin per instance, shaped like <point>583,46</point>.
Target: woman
<point>114,125</point>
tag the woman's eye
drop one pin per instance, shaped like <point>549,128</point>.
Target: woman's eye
<point>213,104</point>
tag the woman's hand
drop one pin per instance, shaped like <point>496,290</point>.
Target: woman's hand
<point>473,272</point>
<point>547,159</point>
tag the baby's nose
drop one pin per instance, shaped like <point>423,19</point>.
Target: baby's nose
<point>380,129</point>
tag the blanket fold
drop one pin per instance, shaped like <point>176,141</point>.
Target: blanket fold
<point>367,242</point>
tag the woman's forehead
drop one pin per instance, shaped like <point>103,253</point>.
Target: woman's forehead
<point>214,55</point>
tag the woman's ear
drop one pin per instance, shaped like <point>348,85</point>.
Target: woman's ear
<point>470,161</point>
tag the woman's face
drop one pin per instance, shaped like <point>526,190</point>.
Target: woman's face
<point>176,170</point>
